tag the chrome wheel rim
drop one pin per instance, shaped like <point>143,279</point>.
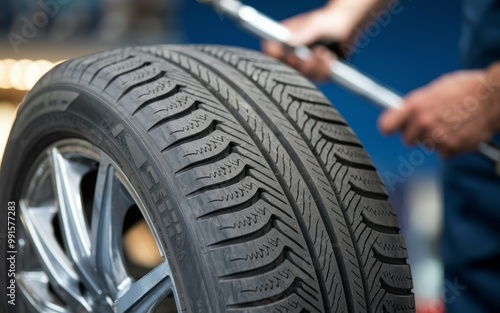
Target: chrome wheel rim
<point>80,264</point>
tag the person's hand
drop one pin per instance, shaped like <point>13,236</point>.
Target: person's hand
<point>329,24</point>
<point>454,114</point>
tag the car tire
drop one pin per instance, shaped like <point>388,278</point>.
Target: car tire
<point>258,191</point>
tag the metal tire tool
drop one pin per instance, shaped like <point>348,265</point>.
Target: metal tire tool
<point>341,73</point>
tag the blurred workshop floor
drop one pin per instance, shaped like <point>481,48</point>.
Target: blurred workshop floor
<point>7,111</point>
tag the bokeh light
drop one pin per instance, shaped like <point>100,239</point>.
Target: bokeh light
<point>22,74</point>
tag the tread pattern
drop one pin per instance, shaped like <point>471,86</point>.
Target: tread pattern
<point>358,187</point>
<point>288,210</point>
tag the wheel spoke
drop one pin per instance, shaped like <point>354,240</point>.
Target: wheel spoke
<point>111,202</point>
<point>40,301</point>
<point>147,293</point>
<point>66,181</point>
<point>62,277</point>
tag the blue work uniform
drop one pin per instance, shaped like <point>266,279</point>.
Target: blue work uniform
<point>471,233</point>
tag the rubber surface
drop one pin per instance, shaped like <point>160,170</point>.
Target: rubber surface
<point>263,188</point>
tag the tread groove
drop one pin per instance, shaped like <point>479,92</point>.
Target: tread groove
<point>143,83</point>
<point>112,80</point>
<point>108,65</point>
<point>177,89</point>
<point>194,106</point>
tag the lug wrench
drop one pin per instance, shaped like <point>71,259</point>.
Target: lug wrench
<point>342,73</point>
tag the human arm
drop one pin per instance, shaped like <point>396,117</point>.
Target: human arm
<point>455,113</point>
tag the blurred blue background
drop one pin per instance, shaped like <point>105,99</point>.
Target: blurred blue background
<point>406,51</point>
